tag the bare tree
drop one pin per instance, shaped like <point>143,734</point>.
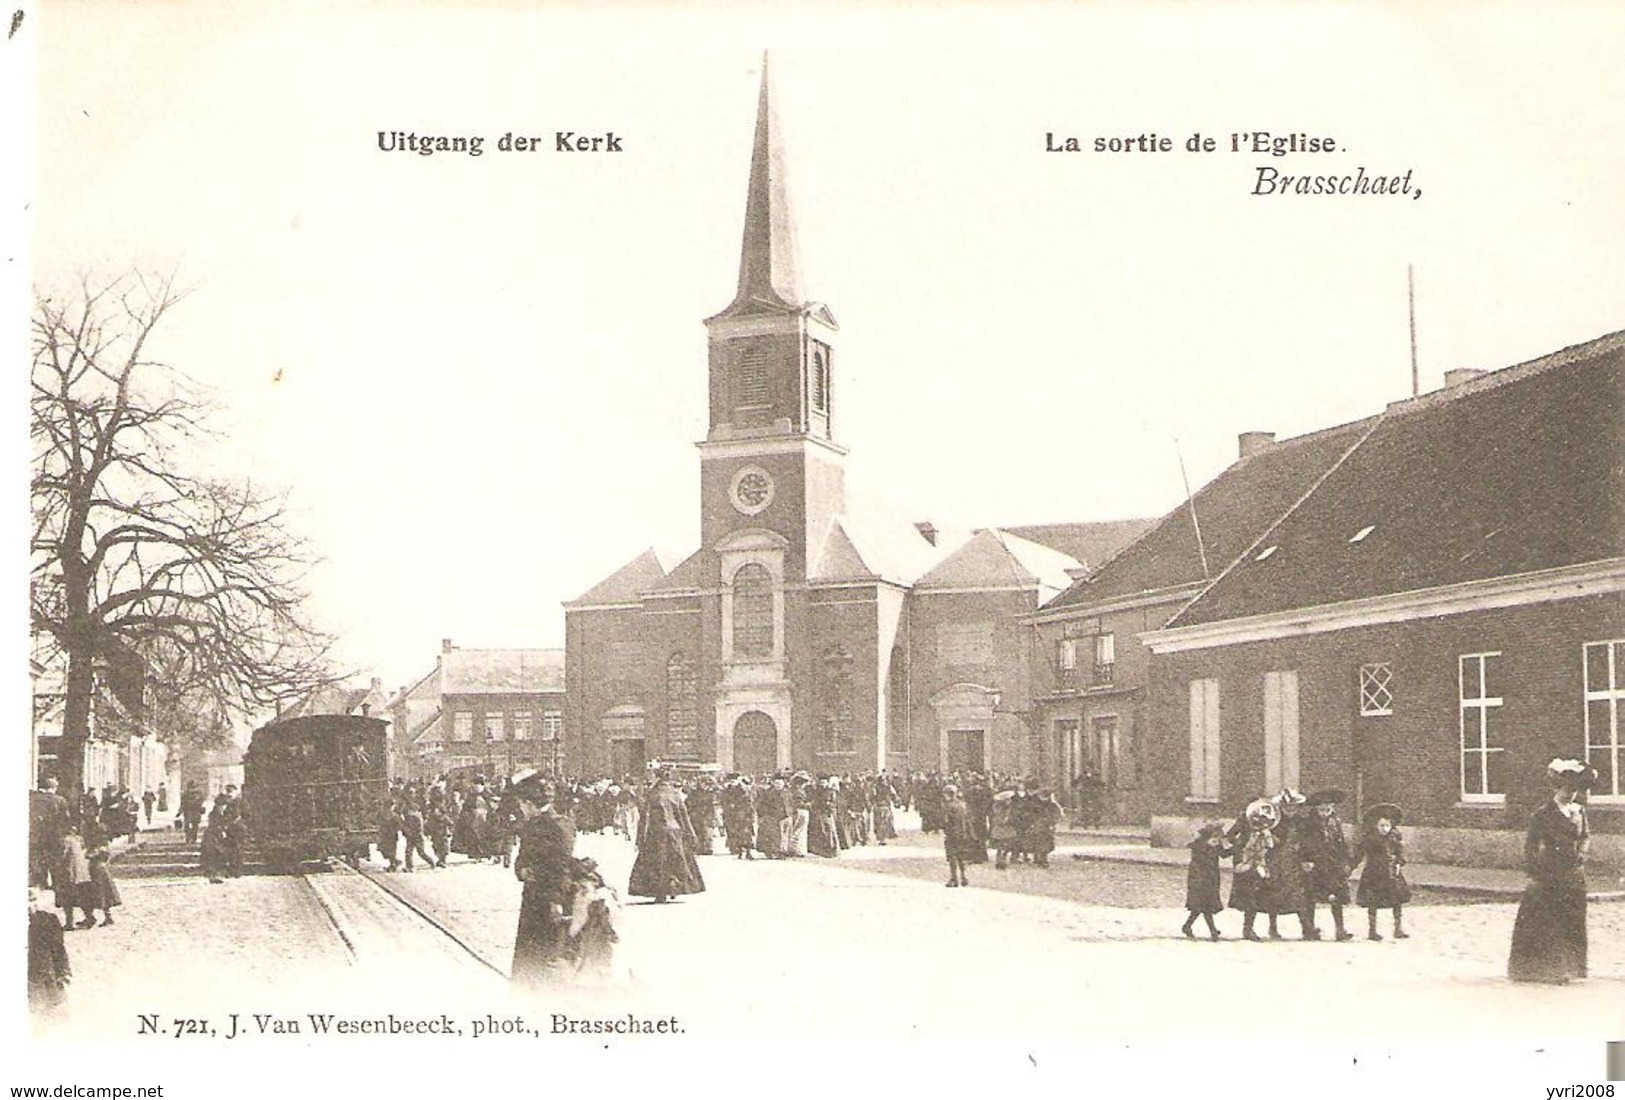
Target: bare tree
<point>141,566</point>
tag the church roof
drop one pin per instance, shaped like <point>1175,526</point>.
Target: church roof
<point>1092,544</point>
<point>997,559</point>
<point>626,584</point>
<point>769,270</point>
<point>876,546</point>
<point>1514,472</point>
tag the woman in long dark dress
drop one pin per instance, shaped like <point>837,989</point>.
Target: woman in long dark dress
<point>665,867</point>
<point>1549,936</point>
<point>544,864</point>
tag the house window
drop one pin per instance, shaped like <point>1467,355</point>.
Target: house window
<point>1105,657</point>
<point>1604,694</point>
<point>1069,654</point>
<point>521,725</point>
<point>1205,740</point>
<point>1280,730</point>
<point>836,720</point>
<point>752,612</point>
<point>750,378</point>
<point>1376,689</point>
<point>462,725</point>
<point>552,723</point>
<point>493,725</point>
<point>682,725</point>
<point>1483,764</point>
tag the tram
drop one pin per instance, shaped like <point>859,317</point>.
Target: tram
<point>313,788</point>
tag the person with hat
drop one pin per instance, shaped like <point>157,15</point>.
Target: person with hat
<point>1382,882</point>
<point>1202,878</point>
<point>1549,935</point>
<point>1288,890</point>
<point>1252,838</point>
<point>1328,852</point>
<point>544,864</point>
<point>739,816</point>
<point>956,834</point>
<point>774,811</point>
<point>665,866</point>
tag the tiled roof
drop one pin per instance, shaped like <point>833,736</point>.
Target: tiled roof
<point>501,671</point>
<point>1092,544</point>
<point>627,583</point>
<point>1517,471</point>
<point>996,559</point>
<point>431,730</point>
<point>687,576</point>
<point>1232,510</point>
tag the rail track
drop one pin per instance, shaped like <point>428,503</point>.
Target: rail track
<point>380,925</point>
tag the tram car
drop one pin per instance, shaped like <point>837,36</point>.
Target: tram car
<point>313,788</point>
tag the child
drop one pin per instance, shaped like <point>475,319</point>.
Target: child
<point>73,881</point>
<point>1382,883</point>
<point>1202,880</point>
<point>1251,844</point>
<point>49,971</point>
<point>593,906</point>
<point>102,892</point>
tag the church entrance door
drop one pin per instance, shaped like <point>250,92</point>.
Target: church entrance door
<point>626,757</point>
<point>967,750</point>
<point>756,744</point>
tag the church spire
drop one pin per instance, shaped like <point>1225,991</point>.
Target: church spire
<point>769,274</point>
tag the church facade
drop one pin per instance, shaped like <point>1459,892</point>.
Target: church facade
<point>805,632</point>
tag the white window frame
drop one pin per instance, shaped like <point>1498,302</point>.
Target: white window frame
<point>1069,654</point>
<point>1613,693</point>
<point>521,725</point>
<point>1281,745</point>
<point>552,725</point>
<point>462,726</point>
<point>495,725</point>
<point>1205,741</point>
<point>1376,677</point>
<point>1480,707</point>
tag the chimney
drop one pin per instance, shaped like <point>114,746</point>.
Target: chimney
<point>445,645</point>
<point>1460,376</point>
<point>927,530</point>
<point>1251,443</point>
<point>377,683</point>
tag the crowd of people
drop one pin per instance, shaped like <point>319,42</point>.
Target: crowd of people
<point>1289,852</point>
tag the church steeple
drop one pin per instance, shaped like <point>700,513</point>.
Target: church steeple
<point>769,273</point>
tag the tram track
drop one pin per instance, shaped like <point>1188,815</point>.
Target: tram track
<point>379,924</point>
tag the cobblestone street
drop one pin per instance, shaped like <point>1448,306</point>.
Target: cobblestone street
<point>868,946</point>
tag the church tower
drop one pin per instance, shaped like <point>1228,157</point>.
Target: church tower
<point>772,476</point>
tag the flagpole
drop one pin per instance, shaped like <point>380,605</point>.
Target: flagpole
<point>1410,295</point>
<point>1191,503</point>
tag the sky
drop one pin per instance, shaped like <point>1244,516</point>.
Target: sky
<point>480,378</point>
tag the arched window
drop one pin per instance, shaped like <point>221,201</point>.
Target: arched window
<point>750,377</point>
<point>682,725</point>
<point>752,612</point>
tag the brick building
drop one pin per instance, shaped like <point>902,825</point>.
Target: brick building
<point>496,709</point>
<point>1090,670</point>
<point>808,630</point>
<point>1436,618</point>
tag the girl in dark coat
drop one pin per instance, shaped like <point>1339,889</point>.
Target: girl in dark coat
<point>1289,880</point>
<point>102,893</point>
<point>1382,883</point>
<point>1549,936</point>
<point>1252,838</point>
<point>665,866</point>
<point>1202,879</point>
<point>1327,850</point>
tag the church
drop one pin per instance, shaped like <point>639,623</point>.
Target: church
<point>807,631</point>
